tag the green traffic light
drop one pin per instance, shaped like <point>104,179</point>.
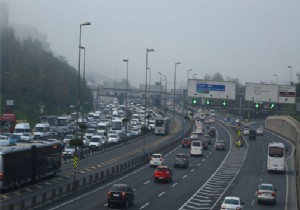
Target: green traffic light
<point>224,103</point>
<point>272,106</point>
<point>256,105</point>
<point>207,102</point>
<point>194,101</point>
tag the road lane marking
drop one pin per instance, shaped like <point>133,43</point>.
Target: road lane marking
<point>173,185</point>
<point>193,170</point>
<point>184,176</point>
<point>159,195</point>
<point>147,182</point>
<point>145,205</point>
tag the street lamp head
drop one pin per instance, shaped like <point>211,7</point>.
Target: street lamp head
<point>81,47</point>
<point>190,70</point>
<point>150,50</point>
<point>126,60</point>
<point>85,24</point>
<point>177,63</point>
<point>290,67</point>
<point>275,75</point>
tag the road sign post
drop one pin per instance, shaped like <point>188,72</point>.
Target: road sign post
<point>75,161</point>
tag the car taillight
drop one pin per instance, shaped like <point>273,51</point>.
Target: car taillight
<point>123,194</point>
<point>238,208</point>
<point>273,194</point>
<point>109,194</point>
<point>1,176</point>
<point>151,158</point>
<point>258,193</point>
<point>223,207</point>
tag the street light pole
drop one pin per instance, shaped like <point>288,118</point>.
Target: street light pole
<point>78,80</point>
<point>126,100</point>
<point>147,51</point>
<point>83,84</point>
<point>160,81</point>
<point>149,85</point>
<point>144,140</point>
<point>291,75</point>
<point>166,89</point>
<point>175,82</point>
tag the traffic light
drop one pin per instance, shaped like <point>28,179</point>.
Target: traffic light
<point>207,102</point>
<point>224,103</point>
<point>256,105</point>
<point>272,106</point>
<point>194,101</point>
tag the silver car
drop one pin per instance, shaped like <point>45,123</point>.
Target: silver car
<point>181,160</point>
<point>266,193</point>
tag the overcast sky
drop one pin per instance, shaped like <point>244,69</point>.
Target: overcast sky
<point>246,39</point>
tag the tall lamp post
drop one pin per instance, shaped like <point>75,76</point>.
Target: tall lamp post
<point>149,85</point>
<point>160,81</point>
<point>83,84</point>
<point>147,51</point>
<point>290,67</point>
<point>166,89</point>
<point>175,82</point>
<point>78,80</point>
<point>144,140</point>
<point>275,75</point>
<point>126,98</point>
<point>187,87</point>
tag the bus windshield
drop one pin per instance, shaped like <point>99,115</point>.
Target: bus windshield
<point>276,152</point>
<point>159,123</point>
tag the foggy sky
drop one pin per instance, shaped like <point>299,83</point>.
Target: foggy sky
<point>246,39</point>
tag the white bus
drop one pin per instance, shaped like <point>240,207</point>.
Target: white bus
<point>276,157</point>
<point>162,126</point>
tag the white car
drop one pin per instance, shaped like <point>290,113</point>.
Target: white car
<point>26,137</point>
<point>260,131</point>
<point>232,203</point>
<point>196,148</point>
<point>157,160</point>
<point>113,138</point>
<point>69,151</point>
<point>246,131</point>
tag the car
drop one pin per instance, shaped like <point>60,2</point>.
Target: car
<point>207,138</point>
<point>113,138</point>
<point>68,138</point>
<point>120,194</point>
<point>220,145</point>
<point>181,160</point>
<point>69,151</point>
<point>156,160</point>
<point>204,144</point>
<point>163,173</point>
<point>260,131</point>
<point>90,132</point>
<point>212,132</point>
<point>252,134</point>
<point>194,136</point>
<point>246,131</point>
<point>266,193</point>
<point>196,148</point>
<point>186,143</point>
<point>15,138</point>
<point>232,203</point>
<point>26,136</point>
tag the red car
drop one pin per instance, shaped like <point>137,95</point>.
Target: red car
<point>186,143</point>
<point>163,173</point>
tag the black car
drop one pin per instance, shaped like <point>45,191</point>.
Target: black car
<point>120,194</point>
<point>212,132</point>
<point>204,144</point>
<point>252,134</point>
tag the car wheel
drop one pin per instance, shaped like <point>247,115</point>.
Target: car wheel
<point>274,202</point>
<point>108,204</point>
<point>155,180</point>
<point>258,201</point>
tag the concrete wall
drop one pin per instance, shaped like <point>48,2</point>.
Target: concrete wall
<point>288,127</point>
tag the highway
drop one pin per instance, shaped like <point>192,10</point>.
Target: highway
<point>236,171</point>
<point>150,195</point>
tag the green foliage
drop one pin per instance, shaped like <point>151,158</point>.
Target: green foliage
<point>76,142</point>
<point>35,77</point>
<point>144,129</point>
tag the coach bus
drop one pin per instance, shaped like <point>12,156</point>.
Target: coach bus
<point>28,162</point>
<point>162,126</point>
<point>276,157</point>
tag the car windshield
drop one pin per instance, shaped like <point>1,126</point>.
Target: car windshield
<point>196,143</point>
<point>161,169</point>
<point>156,156</point>
<point>231,201</point>
<point>118,188</point>
<point>180,156</point>
<point>266,187</point>
<point>69,147</point>
<point>95,140</point>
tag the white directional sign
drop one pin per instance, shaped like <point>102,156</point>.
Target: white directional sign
<point>286,94</point>
<point>211,89</point>
<point>261,92</point>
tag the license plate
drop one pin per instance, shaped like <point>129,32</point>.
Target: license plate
<point>116,195</point>
<point>161,177</point>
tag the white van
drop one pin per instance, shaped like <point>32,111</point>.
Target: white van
<point>22,128</point>
<point>196,148</point>
<point>41,130</point>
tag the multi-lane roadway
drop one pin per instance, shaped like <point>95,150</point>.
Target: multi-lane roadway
<point>236,171</point>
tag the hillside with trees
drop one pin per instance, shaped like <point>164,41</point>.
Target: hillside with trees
<point>32,77</point>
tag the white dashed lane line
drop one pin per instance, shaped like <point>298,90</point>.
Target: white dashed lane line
<point>145,205</point>
<point>147,182</point>
<point>159,195</point>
